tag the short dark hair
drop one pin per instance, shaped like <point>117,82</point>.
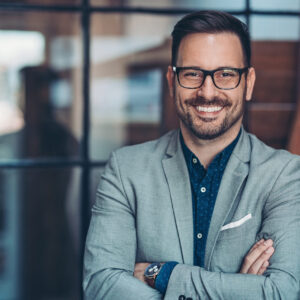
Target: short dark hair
<point>211,21</point>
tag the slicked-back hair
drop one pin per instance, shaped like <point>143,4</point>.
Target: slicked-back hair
<point>210,21</point>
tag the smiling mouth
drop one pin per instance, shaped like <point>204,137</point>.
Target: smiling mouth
<point>209,109</point>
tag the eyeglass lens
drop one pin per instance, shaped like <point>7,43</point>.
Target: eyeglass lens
<point>223,78</point>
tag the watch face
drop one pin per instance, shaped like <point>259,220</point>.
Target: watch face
<point>152,269</point>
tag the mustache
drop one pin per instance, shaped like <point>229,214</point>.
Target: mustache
<point>203,101</point>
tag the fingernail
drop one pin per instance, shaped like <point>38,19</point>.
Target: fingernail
<point>265,264</point>
<point>268,242</point>
<point>269,250</point>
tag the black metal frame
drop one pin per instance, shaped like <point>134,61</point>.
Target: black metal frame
<point>210,73</point>
<point>85,162</point>
<point>86,7</point>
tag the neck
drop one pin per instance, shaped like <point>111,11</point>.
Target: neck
<point>206,150</point>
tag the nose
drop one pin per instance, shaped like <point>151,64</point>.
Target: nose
<point>207,90</point>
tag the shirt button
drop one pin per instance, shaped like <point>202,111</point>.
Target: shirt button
<point>203,190</point>
<point>199,235</point>
<point>194,160</point>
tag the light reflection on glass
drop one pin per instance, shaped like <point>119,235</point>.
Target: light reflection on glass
<point>32,46</point>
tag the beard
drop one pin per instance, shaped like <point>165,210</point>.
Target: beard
<point>204,130</point>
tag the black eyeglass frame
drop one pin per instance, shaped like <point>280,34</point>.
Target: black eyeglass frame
<point>211,74</point>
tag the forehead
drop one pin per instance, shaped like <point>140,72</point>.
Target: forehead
<point>210,50</point>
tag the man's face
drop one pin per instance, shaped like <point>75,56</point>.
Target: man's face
<point>208,112</point>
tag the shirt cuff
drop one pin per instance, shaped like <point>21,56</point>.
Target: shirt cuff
<point>162,279</point>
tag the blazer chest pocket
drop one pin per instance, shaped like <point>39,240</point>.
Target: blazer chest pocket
<point>240,228</point>
<point>233,243</point>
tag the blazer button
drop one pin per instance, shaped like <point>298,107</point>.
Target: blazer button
<point>181,297</point>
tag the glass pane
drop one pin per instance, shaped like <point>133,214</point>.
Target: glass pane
<point>129,58</point>
<point>271,123</point>
<point>40,75</point>
<point>275,5</point>
<point>274,27</point>
<point>275,65</point>
<point>95,179</point>
<point>130,102</point>
<point>187,4</point>
<point>271,112</point>
<point>46,2</point>
<point>39,246</point>
<point>275,57</point>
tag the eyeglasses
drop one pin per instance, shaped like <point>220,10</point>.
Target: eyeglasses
<point>223,78</point>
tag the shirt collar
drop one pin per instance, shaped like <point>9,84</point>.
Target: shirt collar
<point>221,159</point>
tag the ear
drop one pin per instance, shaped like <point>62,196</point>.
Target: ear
<point>250,83</point>
<point>170,78</point>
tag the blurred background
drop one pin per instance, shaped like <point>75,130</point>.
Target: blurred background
<point>81,78</point>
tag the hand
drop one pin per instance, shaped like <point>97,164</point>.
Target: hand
<point>257,260</point>
<point>139,270</point>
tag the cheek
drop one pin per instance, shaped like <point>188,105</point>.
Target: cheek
<point>237,97</point>
<point>185,94</point>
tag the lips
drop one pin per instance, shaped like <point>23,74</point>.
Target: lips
<point>208,109</point>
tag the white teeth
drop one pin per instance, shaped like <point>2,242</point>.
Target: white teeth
<point>209,108</point>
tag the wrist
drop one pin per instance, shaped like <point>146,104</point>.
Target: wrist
<point>151,272</point>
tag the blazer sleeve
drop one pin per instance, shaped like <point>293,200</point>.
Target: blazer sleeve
<point>110,250</point>
<point>281,222</point>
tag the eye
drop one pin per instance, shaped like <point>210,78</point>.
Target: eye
<point>227,73</point>
<point>192,74</point>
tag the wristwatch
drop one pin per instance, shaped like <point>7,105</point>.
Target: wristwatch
<point>151,273</point>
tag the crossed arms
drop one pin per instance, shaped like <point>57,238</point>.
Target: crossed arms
<point>255,262</point>
<point>112,244</point>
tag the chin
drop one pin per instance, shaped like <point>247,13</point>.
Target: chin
<point>207,135</point>
<point>213,130</point>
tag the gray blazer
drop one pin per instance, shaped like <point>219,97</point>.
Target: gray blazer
<point>143,213</point>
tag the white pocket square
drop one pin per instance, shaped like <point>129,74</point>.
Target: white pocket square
<point>236,223</point>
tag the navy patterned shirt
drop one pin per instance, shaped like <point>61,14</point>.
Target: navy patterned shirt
<point>205,184</point>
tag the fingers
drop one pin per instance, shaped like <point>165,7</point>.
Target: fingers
<point>257,259</point>
<point>139,270</point>
<point>140,267</point>
<point>259,265</point>
<point>257,244</point>
<point>263,268</point>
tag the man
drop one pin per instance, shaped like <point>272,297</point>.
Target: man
<point>205,212</point>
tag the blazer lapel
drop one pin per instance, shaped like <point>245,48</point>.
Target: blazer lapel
<point>234,175</point>
<point>177,176</point>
